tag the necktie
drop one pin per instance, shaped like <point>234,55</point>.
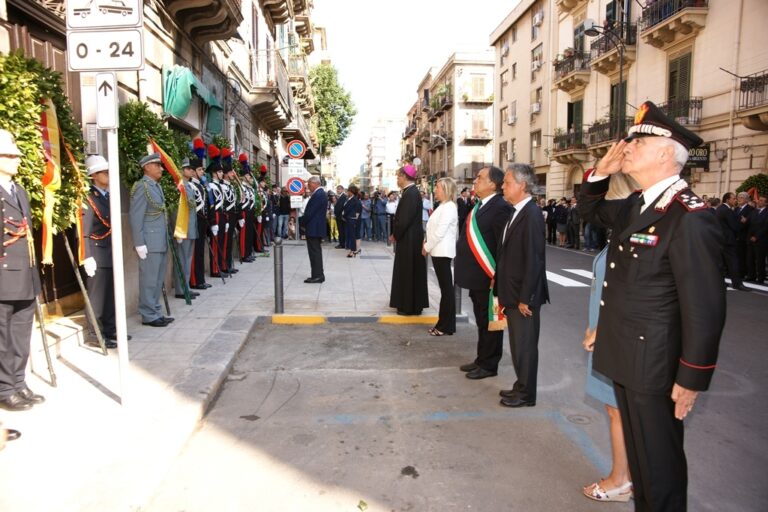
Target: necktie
<point>509,224</point>
<point>636,207</point>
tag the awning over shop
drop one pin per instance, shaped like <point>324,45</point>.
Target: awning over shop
<point>178,85</point>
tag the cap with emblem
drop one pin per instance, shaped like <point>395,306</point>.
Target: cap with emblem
<point>152,158</point>
<point>187,163</point>
<point>651,121</point>
<point>7,144</point>
<point>96,163</point>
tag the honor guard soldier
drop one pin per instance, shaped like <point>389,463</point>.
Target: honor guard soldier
<point>149,226</point>
<point>248,204</point>
<point>186,245</point>
<point>197,273</point>
<point>97,234</point>
<point>19,282</point>
<point>231,209</point>
<point>663,302</point>
<point>216,218</point>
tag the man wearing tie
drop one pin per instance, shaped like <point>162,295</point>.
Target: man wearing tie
<point>522,282</point>
<point>316,228</point>
<point>474,270</point>
<point>149,227</point>
<point>758,241</point>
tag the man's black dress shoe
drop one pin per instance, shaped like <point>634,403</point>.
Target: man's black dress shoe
<point>157,322</point>
<point>95,343</point>
<point>113,337</point>
<point>468,367</point>
<point>480,373</point>
<point>314,280</point>
<point>233,271</point>
<point>30,396</point>
<point>168,319</point>
<point>12,434</point>
<point>15,403</point>
<point>516,402</point>
<point>507,393</point>
<point>199,287</point>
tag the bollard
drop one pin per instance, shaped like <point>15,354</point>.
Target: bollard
<point>278,275</point>
<point>457,295</point>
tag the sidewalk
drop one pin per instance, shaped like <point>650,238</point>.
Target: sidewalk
<point>82,450</point>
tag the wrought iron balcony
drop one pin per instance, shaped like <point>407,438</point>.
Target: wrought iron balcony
<point>686,111</point>
<point>270,97</point>
<point>753,101</point>
<point>569,148</point>
<point>206,20</point>
<point>447,102</point>
<point>476,100</point>
<point>432,114</point>
<point>604,132</point>
<point>605,52</point>
<point>664,22</point>
<point>479,136</point>
<point>279,11</point>
<point>572,72</point>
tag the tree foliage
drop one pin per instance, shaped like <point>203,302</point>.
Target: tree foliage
<point>333,105</point>
<point>24,84</point>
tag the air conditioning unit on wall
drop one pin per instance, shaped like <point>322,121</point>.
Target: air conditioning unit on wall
<point>538,18</point>
<point>535,108</point>
<point>511,119</point>
<point>536,65</point>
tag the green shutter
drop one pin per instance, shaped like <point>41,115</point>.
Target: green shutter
<point>680,78</point>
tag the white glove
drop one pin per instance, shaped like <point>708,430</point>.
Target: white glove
<point>241,222</point>
<point>142,251</point>
<point>179,240</point>
<point>226,227</point>
<point>266,218</point>
<point>258,219</point>
<point>89,265</point>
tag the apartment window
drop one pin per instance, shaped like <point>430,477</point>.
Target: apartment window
<point>513,150</point>
<point>513,109</point>
<point>504,81</point>
<point>537,18</point>
<point>537,56</point>
<point>578,38</point>
<point>513,34</point>
<point>502,119</point>
<point>575,116</point>
<point>513,70</point>
<point>539,95</point>
<point>503,158</point>
<point>504,53</point>
<point>478,86</point>
<point>617,100</point>
<point>679,78</point>
<point>535,144</point>
<point>478,123</point>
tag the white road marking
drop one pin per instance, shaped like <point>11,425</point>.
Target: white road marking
<point>580,272</point>
<point>565,281</point>
<point>754,286</point>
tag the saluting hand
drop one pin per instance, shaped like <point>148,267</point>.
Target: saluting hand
<point>612,161</point>
<point>684,400</point>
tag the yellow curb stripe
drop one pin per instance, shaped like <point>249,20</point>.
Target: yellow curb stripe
<point>298,319</point>
<point>404,320</point>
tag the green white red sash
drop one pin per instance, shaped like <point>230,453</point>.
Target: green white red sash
<point>496,319</point>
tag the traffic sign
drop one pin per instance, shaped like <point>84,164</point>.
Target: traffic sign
<point>295,186</point>
<point>100,14</point>
<point>112,50</point>
<point>296,149</point>
<point>106,101</point>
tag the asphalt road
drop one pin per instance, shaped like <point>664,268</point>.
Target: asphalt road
<point>378,417</point>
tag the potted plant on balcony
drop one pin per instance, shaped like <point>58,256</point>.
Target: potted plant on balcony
<point>568,52</point>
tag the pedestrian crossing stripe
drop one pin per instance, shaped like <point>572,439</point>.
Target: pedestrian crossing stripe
<point>565,281</point>
<point>580,272</point>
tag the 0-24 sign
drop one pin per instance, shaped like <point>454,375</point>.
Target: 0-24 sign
<point>114,50</point>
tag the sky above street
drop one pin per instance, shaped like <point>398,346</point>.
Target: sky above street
<point>382,50</point>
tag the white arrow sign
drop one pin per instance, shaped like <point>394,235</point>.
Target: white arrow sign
<point>106,101</point>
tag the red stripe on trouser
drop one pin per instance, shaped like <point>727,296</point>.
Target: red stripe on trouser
<point>215,254</point>
<point>192,280</point>
<point>242,242</point>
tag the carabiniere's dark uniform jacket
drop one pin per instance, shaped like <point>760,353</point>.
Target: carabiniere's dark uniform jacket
<point>19,279</point>
<point>663,303</point>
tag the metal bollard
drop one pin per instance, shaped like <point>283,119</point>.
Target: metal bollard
<point>457,295</point>
<point>278,275</point>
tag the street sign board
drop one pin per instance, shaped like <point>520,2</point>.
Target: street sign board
<point>296,201</point>
<point>101,14</point>
<point>107,50</point>
<point>106,101</point>
<point>296,149</point>
<point>295,186</point>
<point>698,157</point>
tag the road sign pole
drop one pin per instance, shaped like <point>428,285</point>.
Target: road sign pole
<point>117,265</point>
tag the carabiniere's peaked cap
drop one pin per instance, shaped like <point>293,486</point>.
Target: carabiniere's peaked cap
<point>150,159</point>
<point>651,121</point>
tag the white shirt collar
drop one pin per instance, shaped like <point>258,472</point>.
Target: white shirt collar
<point>519,206</point>
<point>654,191</point>
<point>485,201</point>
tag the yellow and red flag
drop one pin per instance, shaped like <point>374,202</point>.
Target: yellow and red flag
<point>79,212</point>
<point>49,127</point>
<point>182,217</point>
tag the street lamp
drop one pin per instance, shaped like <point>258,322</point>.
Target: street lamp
<point>445,153</point>
<point>591,29</point>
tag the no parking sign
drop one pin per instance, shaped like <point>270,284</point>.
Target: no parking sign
<point>295,186</point>
<point>296,149</point>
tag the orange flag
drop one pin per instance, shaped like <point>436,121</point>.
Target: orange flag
<point>182,217</point>
<point>49,126</point>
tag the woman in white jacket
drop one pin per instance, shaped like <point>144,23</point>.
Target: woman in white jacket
<point>440,244</point>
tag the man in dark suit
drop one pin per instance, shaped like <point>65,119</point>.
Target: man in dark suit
<point>729,224</point>
<point>663,303</point>
<point>19,282</point>
<point>97,233</point>
<point>522,282</point>
<point>338,209</point>
<point>489,216</point>
<point>316,228</point>
<point>758,241</point>
<point>743,214</point>
<point>463,207</point>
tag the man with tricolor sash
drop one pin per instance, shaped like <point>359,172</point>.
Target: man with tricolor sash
<point>475,268</point>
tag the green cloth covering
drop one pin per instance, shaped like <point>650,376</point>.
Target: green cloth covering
<point>178,85</point>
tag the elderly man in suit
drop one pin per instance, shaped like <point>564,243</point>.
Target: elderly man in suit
<point>475,266</point>
<point>19,283</point>
<point>149,226</point>
<point>663,303</point>
<point>316,228</point>
<point>522,282</point>
<point>729,224</point>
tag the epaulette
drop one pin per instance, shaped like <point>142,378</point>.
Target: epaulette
<point>691,201</point>
<point>670,195</point>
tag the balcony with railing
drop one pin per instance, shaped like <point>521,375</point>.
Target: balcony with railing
<point>605,51</point>
<point>477,136</point>
<point>270,97</point>
<point>686,111</point>
<point>206,20</point>
<point>666,22</point>
<point>446,102</point>
<point>572,71</point>
<point>471,99</point>
<point>278,11</point>
<point>604,132</point>
<point>569,147</point>
<point>566,6</point>
<point>753,101</point>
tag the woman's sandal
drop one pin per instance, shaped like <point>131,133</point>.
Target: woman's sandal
<point>435,332</point>
<point>595,492</point>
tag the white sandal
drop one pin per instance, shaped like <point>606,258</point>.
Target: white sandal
<point>597,493</point>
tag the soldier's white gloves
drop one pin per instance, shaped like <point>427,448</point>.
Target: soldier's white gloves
<point>215,230</point>
<point>241,222</point>
<point>142,251</point>
<point>89,265</point>
<point>258,219</point>
<point>179,240</point>
<point>226,227</point>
